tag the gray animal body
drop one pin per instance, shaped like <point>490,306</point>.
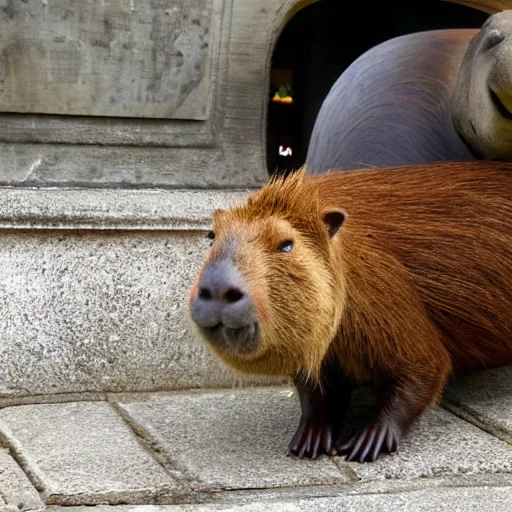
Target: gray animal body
<point>391,106</point>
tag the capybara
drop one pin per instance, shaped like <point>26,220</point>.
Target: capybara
<point>442,95</point>
<point>396,278</point>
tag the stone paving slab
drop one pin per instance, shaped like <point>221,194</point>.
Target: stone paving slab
<point>479,499</point>
<point>212,435</point>
<point>232,439</point>
<point>82,454</point>
<point>486,399</point>
<point>16,491</point>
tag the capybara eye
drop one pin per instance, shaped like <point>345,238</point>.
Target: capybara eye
<point>286,246</point>
<point>211,235</point>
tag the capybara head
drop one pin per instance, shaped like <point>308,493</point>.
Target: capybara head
<point>267,299</point>
<point>482,100</point>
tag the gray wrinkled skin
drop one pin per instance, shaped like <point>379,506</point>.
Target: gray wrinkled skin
<point>391,107</point>
<point>419,99</point>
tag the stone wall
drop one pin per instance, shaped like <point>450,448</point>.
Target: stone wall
<point>121,122</point>
<point>123,125</point>
<point>136,93</point>
<point>94,289</point>
<point>139,93</point>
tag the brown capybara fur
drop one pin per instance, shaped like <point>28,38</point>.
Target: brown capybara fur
<point>396,278</point>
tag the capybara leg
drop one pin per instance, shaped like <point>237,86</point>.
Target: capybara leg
<point>398,406</point>
<point>323,406</point>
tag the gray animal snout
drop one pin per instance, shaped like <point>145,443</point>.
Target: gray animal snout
<point>223,307</point>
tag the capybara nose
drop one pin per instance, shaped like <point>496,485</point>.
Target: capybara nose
<point>221,292</point>
<point>223,308</point>
<point>222,298</point>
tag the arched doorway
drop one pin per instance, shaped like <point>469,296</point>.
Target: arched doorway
<point>319,43</point>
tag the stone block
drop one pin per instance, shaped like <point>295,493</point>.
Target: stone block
<point>231,439</point>
<point>485,398</point>
<point>103,309</point>
<point>439,444</point>
<point>16,490</point>
<point>118,59</point>
<point>83,454</point>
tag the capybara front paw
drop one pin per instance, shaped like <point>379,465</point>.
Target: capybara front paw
<point>375,438</point>
<point>312,438</point>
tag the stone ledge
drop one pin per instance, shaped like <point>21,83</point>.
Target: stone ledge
<point>112,209</point>
<point>454,499</point>
<point>98,311</point>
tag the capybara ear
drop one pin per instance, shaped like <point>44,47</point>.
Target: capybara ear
<point>217,213</point>
<point>334,219</point>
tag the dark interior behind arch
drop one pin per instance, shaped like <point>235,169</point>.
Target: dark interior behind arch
<point>321,41</point>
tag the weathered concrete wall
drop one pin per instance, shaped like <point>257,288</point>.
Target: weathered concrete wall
<point>141,58</point>
<point>94,288</point>
<point>136,92</point>
<point>94,282</point>
<point>139,92</point>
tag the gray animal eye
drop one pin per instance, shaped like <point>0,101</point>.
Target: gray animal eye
<point>286,246</point>
<point>493,38</point>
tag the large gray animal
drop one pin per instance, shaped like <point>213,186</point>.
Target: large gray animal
<point>421,98</point>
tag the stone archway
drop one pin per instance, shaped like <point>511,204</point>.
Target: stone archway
<point>489,6</point>
<point>314,47</point>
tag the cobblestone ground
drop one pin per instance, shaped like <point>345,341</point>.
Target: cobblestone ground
<point>226,450</point>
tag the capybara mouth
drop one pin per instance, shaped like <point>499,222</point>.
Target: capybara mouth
<point>500,106</point>
<point>241,340</point>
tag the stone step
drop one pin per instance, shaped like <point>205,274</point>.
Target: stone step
<point>94,288</point>
<point>459,499</point>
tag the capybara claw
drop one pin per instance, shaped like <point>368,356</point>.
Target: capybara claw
<point>312,438</point>
<point>373,440</point>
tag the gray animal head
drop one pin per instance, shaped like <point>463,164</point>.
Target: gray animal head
<point>482,101</point>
